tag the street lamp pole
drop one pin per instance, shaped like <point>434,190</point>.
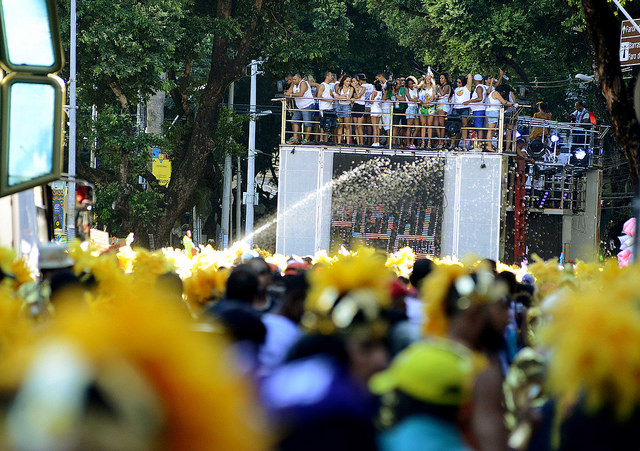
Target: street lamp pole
<point>251,159</point>
<point>71,194</point>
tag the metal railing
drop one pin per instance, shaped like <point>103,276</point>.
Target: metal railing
<point>393,128</point>
<point>551,188</point>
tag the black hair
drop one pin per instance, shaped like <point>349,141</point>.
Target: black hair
<point>544,107</point>
<point>242,284</point>
<point>447,78</point>
<point>377,85</point>
<point>463,80</point>
<point>318,344</point>
<point>579,103</point>
<point>510,279</point>
<point>421,269</point>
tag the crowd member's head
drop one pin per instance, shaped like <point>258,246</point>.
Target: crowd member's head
<point>472,308</point>
<point>421,269</point>
<point>353,308</point>
<point>543,107</point>
<point>377,86</point>
<point>263,270</point>
<point>428,80</point>
<point>296,287</point>
<point>488,80</point>
<point>52,259</point>
<point>444,79</point>
<point>503,90</point>
<point>242,285</point>
<point>579,105</point>
<point>477,79</point>
<point>344,82</point>
<point>429,382</point>
<point>411,82</point>
<point>461,81</point>
<point>328,76</point>
<point>297,78</point>
<point>381,77</point>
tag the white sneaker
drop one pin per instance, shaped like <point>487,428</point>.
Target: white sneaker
<point>375,145</point>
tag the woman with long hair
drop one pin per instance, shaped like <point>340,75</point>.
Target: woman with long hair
<point>411,94</point>
<point>427,96</point>
<point>358,109</point>
<point>495,100</point>
<point>376,112</point>
<point>443,108</point>
<point>343,92</point>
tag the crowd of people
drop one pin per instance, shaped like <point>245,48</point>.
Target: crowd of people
<point>426,112</point>
<point>241,349</point>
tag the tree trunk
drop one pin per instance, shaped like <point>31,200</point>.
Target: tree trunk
<point>187,173</point>
<point>604,32</point>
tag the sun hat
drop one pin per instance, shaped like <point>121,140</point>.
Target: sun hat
<point>54,256</point>
<point>435,372</point>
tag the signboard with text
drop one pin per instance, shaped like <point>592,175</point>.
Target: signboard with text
<point>629,44</point>
<point>161,167</point>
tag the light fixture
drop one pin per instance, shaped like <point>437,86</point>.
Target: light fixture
<point>555,138</point>
<point>580,154</point>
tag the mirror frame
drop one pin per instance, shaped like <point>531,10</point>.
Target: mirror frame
<point>58,118</point>
<point>58,55</point>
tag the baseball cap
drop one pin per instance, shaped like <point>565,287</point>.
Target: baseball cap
<point>435,372</point>
<point>477,77</point>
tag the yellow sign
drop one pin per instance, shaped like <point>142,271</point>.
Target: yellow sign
<point>161,167</point>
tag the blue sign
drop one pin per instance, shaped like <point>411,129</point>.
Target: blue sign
<point>57,208</point>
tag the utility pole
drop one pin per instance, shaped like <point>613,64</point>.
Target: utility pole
<point>71,193</point>
<point>251,159</point>
<point>239,200</point>
<point>226,188</point>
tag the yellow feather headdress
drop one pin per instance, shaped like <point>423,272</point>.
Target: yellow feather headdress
<point>593,334</point>
<point>360,281</point>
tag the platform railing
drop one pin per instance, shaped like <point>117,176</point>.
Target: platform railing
<point>397,130</point>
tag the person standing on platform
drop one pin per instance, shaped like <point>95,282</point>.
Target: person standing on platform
<point>302,118</point>
<point>461,98</point>
<point>443,108</point>
<point>327,112</point>
<point>477,107</point>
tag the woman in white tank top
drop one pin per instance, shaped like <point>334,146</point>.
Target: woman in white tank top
<point>343,92</point>
<point>442,108</point>
<point>494,103</point>
<point>427,96</point>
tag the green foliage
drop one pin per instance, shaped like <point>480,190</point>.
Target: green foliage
<point>458,36</point>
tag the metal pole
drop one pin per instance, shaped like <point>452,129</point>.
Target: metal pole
<point>239,201</point>
<point>251,178</point>
<point>226,188</point>
<point>71,194</point>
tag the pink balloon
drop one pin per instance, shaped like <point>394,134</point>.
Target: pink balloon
<point>629,227</point>
<point>624,258</point>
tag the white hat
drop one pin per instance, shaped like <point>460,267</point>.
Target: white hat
<point>477,77</point>
<point>54,256</point>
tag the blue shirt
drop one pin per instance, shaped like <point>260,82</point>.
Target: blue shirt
<point>422,433</point>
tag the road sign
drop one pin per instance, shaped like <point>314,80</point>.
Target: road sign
<point>629,44</point>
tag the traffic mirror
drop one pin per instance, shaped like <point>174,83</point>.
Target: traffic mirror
<point>31,131</point>
<point>30,36</point>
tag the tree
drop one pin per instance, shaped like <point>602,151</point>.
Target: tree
<point>602,27</point>
<point>201,46</point>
